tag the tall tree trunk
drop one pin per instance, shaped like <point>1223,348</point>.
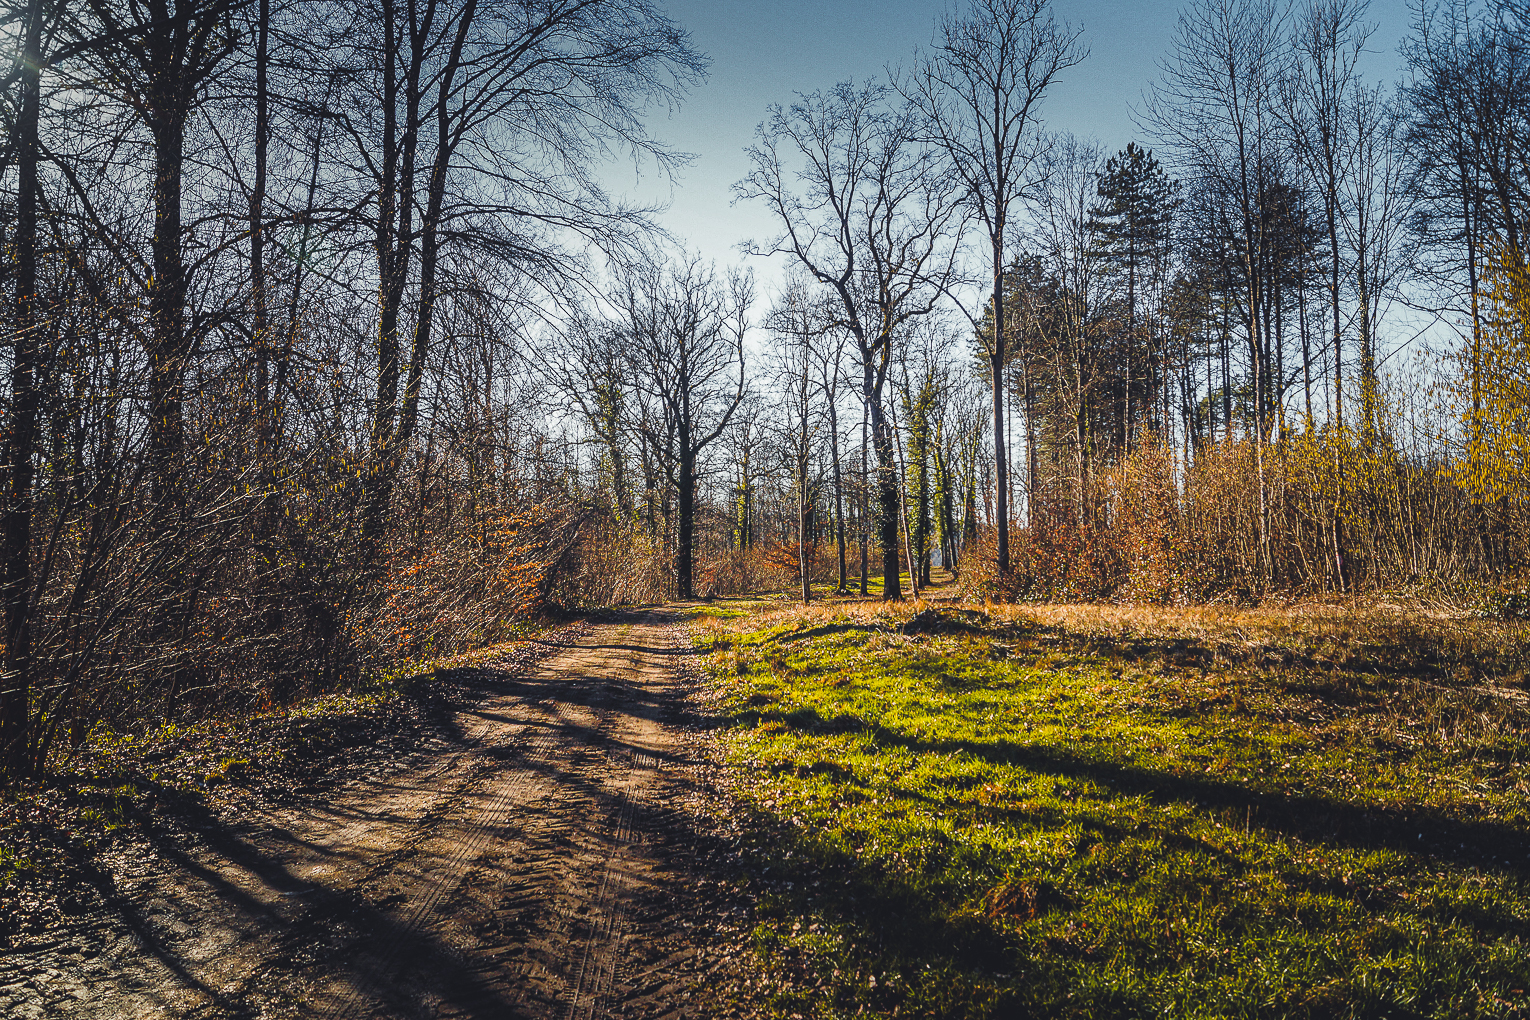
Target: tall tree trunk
<point>945,481</point>
<point>387,312</point>
<point>430,229</point>
<point>169,356</point>
<point>1301,304</point>
<point>839,492</point>
<point>16,530</point>
<point>1030,444</point>
<point>908,541</point>
<point>1226,352</point>
<point>264,419</point>
<point>996,367</point>
<point>802,530</point>
<point>1469,225</point>
<point>1340,568</point>
<point>394,243</point>
<point>1367,350</point>
<point>745,504</point>
<point>888,504</point>
<point>167,318</point>
<point>865,507</point>
<point>684,559</point>
<point>803,459</point>
<point>394,426</point>
<point>1332,211</point>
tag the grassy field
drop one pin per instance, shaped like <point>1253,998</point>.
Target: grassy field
<point>1099,812</point>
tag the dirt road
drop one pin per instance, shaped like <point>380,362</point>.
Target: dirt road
<point>541,854</point>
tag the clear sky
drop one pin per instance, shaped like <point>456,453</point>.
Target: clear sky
<point>763,51</point>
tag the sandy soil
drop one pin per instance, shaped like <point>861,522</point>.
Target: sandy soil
<point>547,849</point>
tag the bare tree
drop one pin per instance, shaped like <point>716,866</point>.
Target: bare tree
<point>16,513</point>
<point>1468,145</point>
<point>685,332</point>
<point>1214,111</point>
<point>803,416</point>
<point>981,93</point>
<point>865,209</point>
<point>265,417</point>
<point>1328,39</point>
<point>590,368</point>
<point>1061,323</point>
<point>491,118</point>
<point>158,59</point>
<point>1374,213</point>
<point>743,440</point>
<point>922,389</point>
<point>830,361</point>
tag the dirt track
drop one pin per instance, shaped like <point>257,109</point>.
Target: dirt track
<point>540,855</point>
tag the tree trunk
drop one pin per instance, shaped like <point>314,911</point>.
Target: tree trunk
<point>167,317</point>
<point>16,530</point>
<point>1030,445</point>
<point>802,530</point>
<point>839,493</point>
<point>865,508</point>
<point>888,503</point>
<point>430,229</point>
<point>745,507</point>
<point>687,525</point>
<point>1001,458</point>
<point>395,209</point>
<point>1331,209</point>
<point>264,423</point>
<point>908,541</point>
<point>944,482</point>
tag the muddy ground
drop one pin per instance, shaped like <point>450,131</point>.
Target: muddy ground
<point>547,842</point>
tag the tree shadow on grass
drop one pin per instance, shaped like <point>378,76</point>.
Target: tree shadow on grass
<point>918,921</point>
<point>1414,831</point>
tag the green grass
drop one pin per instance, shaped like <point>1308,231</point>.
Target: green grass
<point>1021,819</point>
<point>731,608</point>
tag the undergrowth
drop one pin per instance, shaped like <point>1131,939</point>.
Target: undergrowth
<point>118,787</point>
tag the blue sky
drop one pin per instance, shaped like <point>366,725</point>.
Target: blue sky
<point>763,51</point>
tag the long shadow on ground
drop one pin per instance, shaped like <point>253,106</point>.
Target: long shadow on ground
<point>333,933</point>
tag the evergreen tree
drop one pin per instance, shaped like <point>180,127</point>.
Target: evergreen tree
<point>1130,229</point>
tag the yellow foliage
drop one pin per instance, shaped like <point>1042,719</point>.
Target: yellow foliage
<point>468,585</point>
<point>1493,390</point>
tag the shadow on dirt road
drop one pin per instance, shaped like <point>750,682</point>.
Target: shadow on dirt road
<point>549,847</point>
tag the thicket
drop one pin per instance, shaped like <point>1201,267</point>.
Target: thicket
<point>1340,518</point>
<point>276,278</point>
<point>326,346</point>
<point>1212,375</point>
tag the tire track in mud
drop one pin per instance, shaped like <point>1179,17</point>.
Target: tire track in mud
<point>576,961</point>
<point>445,878</point>
<point>601,955</point>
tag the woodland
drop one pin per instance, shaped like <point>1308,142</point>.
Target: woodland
<point>328,347</point>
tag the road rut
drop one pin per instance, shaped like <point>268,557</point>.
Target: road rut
<point>540,857</point>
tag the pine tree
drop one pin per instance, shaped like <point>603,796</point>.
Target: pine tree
<point>1131,227</point>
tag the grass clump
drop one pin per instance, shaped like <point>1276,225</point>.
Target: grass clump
<point>1110,813</point>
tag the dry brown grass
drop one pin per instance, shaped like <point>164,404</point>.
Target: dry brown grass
<point>1376,673</point>
<point>1377,638</point>
<point>1382,636</point>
